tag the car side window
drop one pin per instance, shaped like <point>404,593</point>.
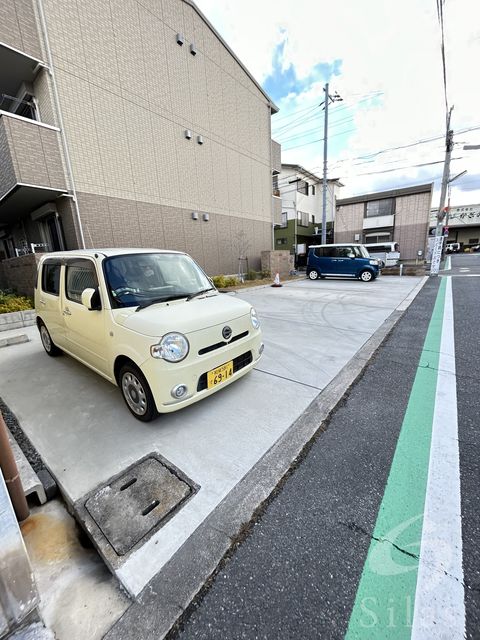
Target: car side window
<point>80,275</point>
<point>343,252</point>
<point>51,278</point>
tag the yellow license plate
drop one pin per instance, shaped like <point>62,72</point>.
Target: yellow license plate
<point>220,374</point>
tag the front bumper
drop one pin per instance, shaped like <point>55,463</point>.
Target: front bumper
<point>164,376</point>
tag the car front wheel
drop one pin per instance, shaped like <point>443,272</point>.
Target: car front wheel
<point>136,393</point>
<point>313,275</point>
<point>366,276</point>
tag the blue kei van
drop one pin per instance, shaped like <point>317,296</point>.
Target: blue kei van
<point>348,260</point>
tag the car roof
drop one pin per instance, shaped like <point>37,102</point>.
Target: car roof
<point>337,244</point>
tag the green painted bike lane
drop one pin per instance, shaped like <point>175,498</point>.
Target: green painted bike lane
<point>385,596</point>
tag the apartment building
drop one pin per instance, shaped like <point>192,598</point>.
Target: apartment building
<point>398,215</point>
<point>301,195</point>
<point>130,123</point>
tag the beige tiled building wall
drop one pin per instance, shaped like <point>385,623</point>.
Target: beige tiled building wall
<point>127,94</point>
<point>18,27</point>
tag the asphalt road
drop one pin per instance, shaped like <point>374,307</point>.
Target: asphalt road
<point>298,572</point>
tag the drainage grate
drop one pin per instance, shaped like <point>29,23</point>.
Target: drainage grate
<point>128,508</point>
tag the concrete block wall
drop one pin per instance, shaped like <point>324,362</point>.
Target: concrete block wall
<point>281,262</point>
<point>19,273</point>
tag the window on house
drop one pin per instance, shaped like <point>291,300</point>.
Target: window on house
<point>375,238</point>
<point>303,220</point>
<point>284,220</point>
<point>473,241</point>
<point>313,189</point>
<point>302,187</point>
<point>379,208</point>
<point>281,241</point>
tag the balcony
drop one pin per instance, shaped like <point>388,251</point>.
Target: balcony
<point>378,222</point>
<point>31,169</point>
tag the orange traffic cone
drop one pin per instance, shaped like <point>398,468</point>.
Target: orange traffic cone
<point>276,282</point>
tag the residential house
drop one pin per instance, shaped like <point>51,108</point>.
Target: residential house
<point>301,193</point>
<point>398,215</point>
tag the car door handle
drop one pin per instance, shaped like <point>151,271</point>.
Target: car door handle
<point>42,302</point>
<point>67,312</point>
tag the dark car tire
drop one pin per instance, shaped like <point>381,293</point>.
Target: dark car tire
<point>313,274</point>
<point>136,393</point>
<point>366,276</point>
<point>50,347</point>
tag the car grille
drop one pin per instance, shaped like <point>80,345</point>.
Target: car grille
<point>218,345</point>
<point>238,363</point>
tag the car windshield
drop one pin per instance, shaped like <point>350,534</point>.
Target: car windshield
<point>363,251</point>
<point>139,279</point>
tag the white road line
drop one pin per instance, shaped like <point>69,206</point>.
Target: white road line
<point>448,264</point>
<point>439,600</point>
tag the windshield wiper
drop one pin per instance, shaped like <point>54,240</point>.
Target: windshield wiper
<point>199,293</point>
<point>147,303</point>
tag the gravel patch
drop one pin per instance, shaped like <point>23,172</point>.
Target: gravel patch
<point>24,443</point>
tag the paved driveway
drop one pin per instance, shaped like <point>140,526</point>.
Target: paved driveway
<point>85,435</point>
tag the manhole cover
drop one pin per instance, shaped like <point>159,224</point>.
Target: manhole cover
<point>136,502</point>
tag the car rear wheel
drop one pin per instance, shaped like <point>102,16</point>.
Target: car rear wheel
<point>136,393</point>
<point>47,342</point>
<point>366,275</point>
<point>313,275</point>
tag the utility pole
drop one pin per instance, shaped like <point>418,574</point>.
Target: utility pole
<point>438,245</point>
<point>328,99</point>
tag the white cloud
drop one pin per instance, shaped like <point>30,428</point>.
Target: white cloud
<point>384,46</point>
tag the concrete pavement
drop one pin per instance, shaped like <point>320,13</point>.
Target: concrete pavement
<point>79,425</point>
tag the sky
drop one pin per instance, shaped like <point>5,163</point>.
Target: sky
<point>383,58</point>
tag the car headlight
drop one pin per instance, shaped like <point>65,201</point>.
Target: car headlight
<point>254,318</point>
<point>375,262</point>
<point>173,347</point>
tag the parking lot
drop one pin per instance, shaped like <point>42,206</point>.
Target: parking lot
<point>85,435</point>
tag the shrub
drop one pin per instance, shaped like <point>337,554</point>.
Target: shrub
<point>10,302</point>
<point>219,281</point>
<point>231,281</point>
<point>266,274</point>
<point>251,275</point>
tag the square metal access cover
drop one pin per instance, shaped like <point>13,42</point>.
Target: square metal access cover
<point>130,506</point>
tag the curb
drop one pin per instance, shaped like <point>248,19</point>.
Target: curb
<point>17,319</point>
<point>168,596</point>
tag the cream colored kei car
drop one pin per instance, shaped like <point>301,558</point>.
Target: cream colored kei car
<point>149,321</point>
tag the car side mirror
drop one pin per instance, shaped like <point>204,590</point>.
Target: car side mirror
<point>91,299</point>
<point>351,255</point>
